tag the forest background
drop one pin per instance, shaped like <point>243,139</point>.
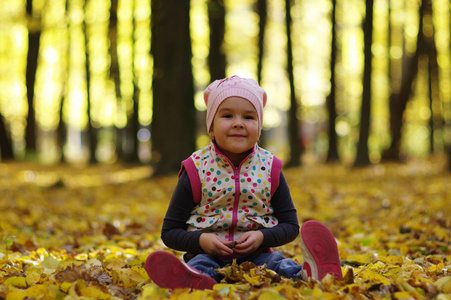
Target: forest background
<point>358,82</point>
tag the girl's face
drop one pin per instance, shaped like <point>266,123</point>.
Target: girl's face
<point>235,128</point>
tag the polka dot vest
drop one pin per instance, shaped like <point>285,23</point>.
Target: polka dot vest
<point>232,200</point>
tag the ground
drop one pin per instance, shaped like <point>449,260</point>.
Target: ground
<point>84,233</point>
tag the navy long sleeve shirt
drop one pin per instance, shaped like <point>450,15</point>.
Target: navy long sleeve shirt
<point>175,235</point>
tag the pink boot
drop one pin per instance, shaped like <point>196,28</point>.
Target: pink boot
<point>169,272</point>
<point>319,251</point>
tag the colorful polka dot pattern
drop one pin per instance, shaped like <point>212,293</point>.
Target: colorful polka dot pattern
<point>220,207</point>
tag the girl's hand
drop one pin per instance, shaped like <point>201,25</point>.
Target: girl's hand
<point>249,242</point>
<point>214,245</point>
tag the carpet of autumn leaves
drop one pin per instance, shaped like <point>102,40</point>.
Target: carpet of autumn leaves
<point>68,233</point>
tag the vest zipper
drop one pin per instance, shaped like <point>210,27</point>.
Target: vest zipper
<point>236,202</point>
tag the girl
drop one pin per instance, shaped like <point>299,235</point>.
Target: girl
<point>233,202</point>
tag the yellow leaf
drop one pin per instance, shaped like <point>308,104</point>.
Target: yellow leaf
<point>50,264</point>
<point>193,295</point>
<point>395,260</point>
<point>33,277</point>
<point>15,295</point>
<point>393,272</point>
<point>65,286</point>
<point>444,284</point>
<point>130,277</point>
<point>224,289</point>
<point>441,233</point>
<point>269,294</point>
<point>252,280</point>
<point>403,295</point>
<point>36,291</point>
<point>360,259</point>
<point>81,256</point>
<point>373,276</point>
<point>93,292</point>
<point>16,281</point>
<point>151,292</point>
<point>140,270</point>
<point>317,292</point>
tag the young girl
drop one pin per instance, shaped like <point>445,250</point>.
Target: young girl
<point>233,202</point>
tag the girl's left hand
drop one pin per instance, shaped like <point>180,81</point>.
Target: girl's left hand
<point>248,242</point>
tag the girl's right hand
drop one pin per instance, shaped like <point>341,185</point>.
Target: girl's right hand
<point>214,245</point>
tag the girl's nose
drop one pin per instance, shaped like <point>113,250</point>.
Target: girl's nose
<point>238,125</point>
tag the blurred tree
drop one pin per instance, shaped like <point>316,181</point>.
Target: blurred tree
<point>398,104</point>
<point>394,92</point>
<point>121,136</point>
<point>293,122</point>
<point>61,130</point>
<point>92,130</point>
<point>6,147</point>
<point>131,136</point>
<point>262,14</point>
<point>34,36</point>
<point>173,124</point>
<point>362,158</point>
<point>436,119</point>
<point>216,57</point>
<point>332,153</point>
<point>261,7</point>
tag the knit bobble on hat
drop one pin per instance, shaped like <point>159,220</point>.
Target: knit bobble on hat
<point>235,86</point>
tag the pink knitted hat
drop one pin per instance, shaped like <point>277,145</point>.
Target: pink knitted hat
<point>234,86</point>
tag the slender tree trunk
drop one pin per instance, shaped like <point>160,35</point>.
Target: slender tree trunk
<point>216,57</point>
<point>92,131</point>
<point>389,154</point>
<point>262,12</point>
<point>6,147</point>
<point>332,154</point>
<point>362,158</point>
<point>133,128</point>
<point>293,122</point>
<point>436,120</point>
<point>34,36</point>
<point>174,116</point>
<point>399,105</point>
<point>115,71</point>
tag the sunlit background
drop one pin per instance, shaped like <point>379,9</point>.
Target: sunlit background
<point>75,30</point>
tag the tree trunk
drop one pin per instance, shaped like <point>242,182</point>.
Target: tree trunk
<point>216,57</point>
<point>293,122</point>
<point>399,105</point>
<point>262,13</point>
<point>132,155</point>
<point>174,117</point>
<point>6,147</point>
<point>115,73</point>
<point>362,158</point>
<point>332,153</point>
<point>436,120</point>
<point>34,35</point>
<point>92,131</point>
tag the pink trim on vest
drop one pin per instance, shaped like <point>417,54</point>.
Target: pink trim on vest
<point>275,174</point>
<point>191,170</point>
<point>196,186</point>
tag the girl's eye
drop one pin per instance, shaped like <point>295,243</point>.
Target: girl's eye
<point>249,117</point>
<point>227,116</point>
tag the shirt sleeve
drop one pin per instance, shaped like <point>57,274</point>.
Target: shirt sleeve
<point>284,210</point>
<point>175,235</point>
<point>174,232</point>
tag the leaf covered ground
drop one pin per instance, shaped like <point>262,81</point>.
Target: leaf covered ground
<point>68,233</point>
